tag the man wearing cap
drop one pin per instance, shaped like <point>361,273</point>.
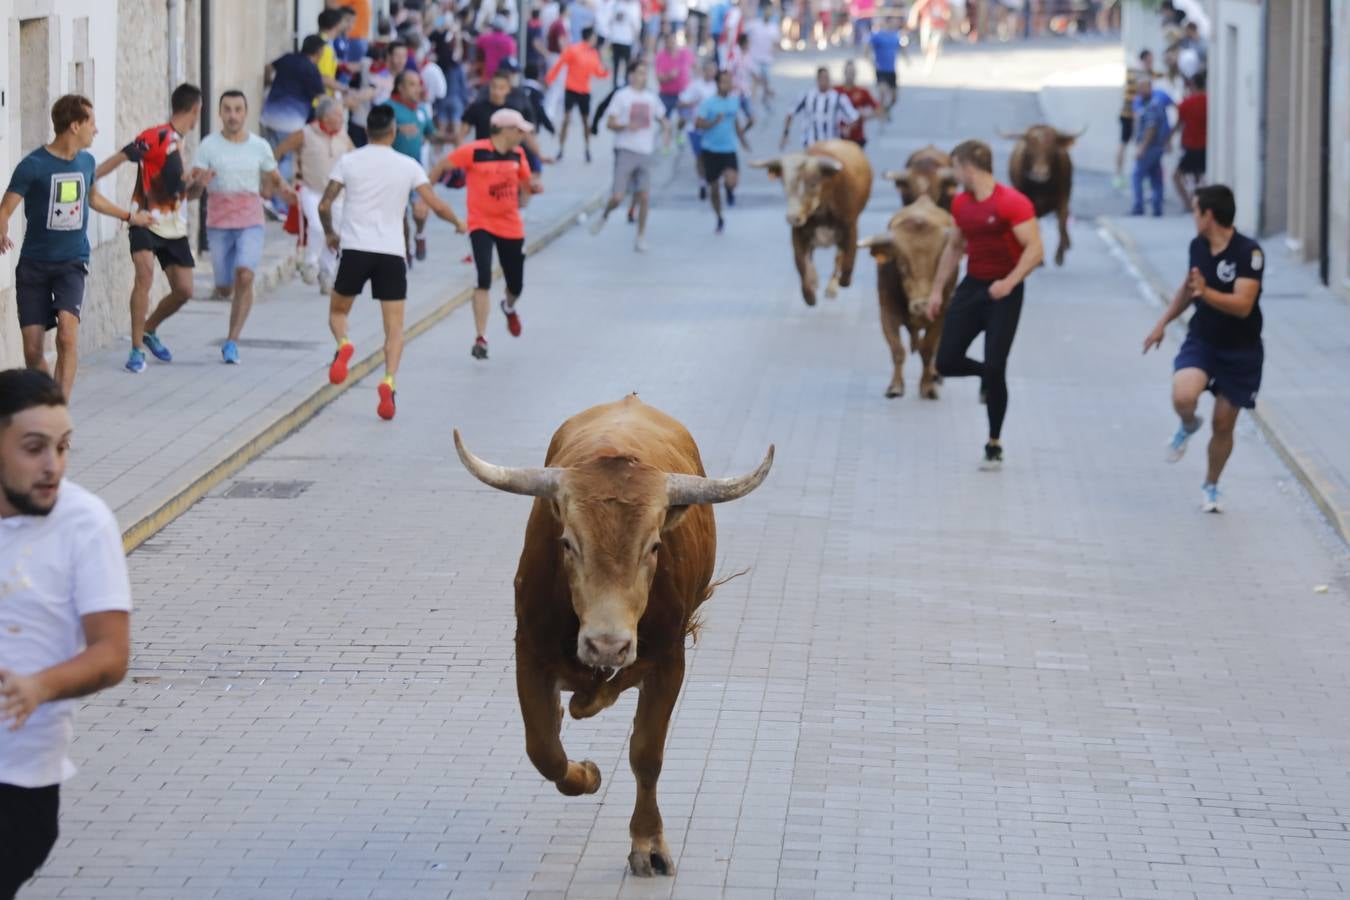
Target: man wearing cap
<point>495,170</point>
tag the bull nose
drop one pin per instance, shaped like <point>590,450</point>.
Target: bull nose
<point>795,221</point>
<point>609,649</point>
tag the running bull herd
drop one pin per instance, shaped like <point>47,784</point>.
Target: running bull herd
<point>621,542</point>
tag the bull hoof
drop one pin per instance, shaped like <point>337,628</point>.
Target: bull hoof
<point>1059,256</point>
<point>650,857</point>
<point>809,297</point>
<point>846,279</point>
<point>581,778</point>
<point>929,392</point>
<point>832,289</point>
<point>895,390</point>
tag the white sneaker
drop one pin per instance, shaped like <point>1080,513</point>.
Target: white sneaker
<point>1176,448</point>
<point>598,224</point>
<point>309,274</point>
<point>1210,499</point>
<point>641,244</point>
<point>325,285</point>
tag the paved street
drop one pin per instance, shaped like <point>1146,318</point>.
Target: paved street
<point>1057,680</point>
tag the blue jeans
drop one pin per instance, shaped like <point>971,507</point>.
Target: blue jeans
<point>234,248</point>
<point>285,167</point>
<point>1148,164</point>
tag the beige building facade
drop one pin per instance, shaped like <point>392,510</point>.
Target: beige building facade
<point>126,56</point>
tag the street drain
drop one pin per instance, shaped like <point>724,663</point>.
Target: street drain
<point>267,490</point>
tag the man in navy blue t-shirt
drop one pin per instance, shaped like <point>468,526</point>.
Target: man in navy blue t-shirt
<point>1222,352</point>
<point>55,184</point>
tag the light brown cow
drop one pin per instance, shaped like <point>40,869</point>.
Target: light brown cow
<point>618,555</point>
<point>907,261</point>
<point>827,186</point>
<point>928,171</point>
<point>1041,168</point>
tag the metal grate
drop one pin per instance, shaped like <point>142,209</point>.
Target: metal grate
<point>269,490</point>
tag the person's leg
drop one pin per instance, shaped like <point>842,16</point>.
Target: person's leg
<point>180,292</point>
<point>339,308</point>
<point>28,830</point>
<point>1155,178</point>
<point>241,304</point>
<point>731,178</point>
<point>1221,441</point>
<point>34,339</point>
<point>998,339</point>
<point>511,254</point>
<point>566,120</point>
<point>964,321</point>
<point>585,108</point>
<point>143,264</point>
<point>1188,384</point>
<point>1137,185</point>
<point>1179,182</point>
<point>391,311</point>
<point>421,212</point>
<point>67,350</point>
<point>315,245</point>
<point>643,206</point>
<point>482,243</point>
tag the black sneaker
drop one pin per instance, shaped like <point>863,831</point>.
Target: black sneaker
<point>479,349</point>
<point>993,458</point>
<point>731,197</point>
<point>703,192</point>
<point>720,225</point>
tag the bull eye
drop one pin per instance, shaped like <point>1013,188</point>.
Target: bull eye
<point>656,547</point>
<point>567,545</point>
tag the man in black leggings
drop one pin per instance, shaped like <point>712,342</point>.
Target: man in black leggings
<point>997,226</point>
<point>496,170</point>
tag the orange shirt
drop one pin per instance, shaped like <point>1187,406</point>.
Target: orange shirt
<point>361,24</point>
<point>493,182</point>
<point>582,63</point>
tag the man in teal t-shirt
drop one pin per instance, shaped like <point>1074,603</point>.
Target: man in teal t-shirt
<point>412,127</point>
<point>56,186</point>
<point>718,118</point>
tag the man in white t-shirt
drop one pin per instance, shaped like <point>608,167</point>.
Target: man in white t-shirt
<point>635,115</point>
<point>371,247</point>
<point>65,604</point>
<point>763,34</point>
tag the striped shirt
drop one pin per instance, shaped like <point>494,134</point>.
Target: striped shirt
<point>823,113</point>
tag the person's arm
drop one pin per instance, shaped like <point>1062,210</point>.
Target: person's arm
<point>274,184</point>
<point>440,207</point>
<point>110,164</point>
<point>102,205</point>
<point>1028,234</point>
<point>102,664</point>
<point>291,145</point>
<point>848,113</point>
<point>1180,301</point>
<point>946,270</point>
<point>1239,303</point>
<point>8,205</point>
<point>787,123</point>
<point>330,195</point>
<point>552,75</point>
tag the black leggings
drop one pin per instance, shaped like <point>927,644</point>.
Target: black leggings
<point>971,312</point>
<point>510,253</point>
<point>620,54</point>
<point>27,833</point>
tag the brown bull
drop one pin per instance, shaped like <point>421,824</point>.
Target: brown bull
<point>1040,167</point>
<point>618,555</point>
<point>827,186</point>
<point>907,262</point>
<point>927,172</point>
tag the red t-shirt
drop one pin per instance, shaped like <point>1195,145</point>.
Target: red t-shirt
<point>1193,112</point>
<point>160,186</point>
<point>493,181</point>
<point>987,225</point>
<point>862,99</point>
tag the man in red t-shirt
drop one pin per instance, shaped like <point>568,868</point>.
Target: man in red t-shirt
<point>862,101</point>
<point>997,226</point>
<point>1193,123</point>
<point>496,171</point>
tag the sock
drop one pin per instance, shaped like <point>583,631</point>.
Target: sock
<point>389,380</point>
<point>509,305</point>
<point>481,340</point>
<point>342,342</point>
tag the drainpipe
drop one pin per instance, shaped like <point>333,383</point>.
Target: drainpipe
<point>204,58</point>
<point>1324,210</point>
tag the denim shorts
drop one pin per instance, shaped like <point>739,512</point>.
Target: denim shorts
<point>234,248</point>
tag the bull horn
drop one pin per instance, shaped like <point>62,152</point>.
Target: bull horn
<point>765,163</point>
<point>875,241</point>
<point>692,490</point>
<point>1011,137</point>
<point>1074,135</point>
<point>829,162</point>
<point>530,482</point>
<point>894,174</point>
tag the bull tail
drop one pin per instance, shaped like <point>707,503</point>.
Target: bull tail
<point>694,626</point>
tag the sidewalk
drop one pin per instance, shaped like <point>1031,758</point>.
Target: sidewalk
<point>1302,408</point>
<point>152,444</point>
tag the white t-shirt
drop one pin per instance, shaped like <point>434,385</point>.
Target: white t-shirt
<point>763,39</point>
<point>54,569</point>
<point>625,22</point>
<point>376,181</point>
<point>643,107</point>
<point>696,92</point>
<point>676,10</point>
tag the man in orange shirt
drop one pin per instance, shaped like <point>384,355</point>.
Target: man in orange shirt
<point>495,170</point>
<point>582,62</point>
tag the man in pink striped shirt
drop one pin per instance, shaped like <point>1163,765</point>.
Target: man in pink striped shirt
<point>238,165</point>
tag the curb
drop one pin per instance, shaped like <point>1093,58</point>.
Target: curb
<point>1267,415</point>
<point>288,423</point>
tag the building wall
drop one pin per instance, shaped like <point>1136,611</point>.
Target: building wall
<point>245,36</point>
<point>1338,240</point>
<point>1235,105</point>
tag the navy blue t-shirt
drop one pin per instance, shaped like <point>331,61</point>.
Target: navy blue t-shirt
<point>55,195</point>
<point>1242,258</point>
<point>296,81</point>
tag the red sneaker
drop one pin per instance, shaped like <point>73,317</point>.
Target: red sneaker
<point>337,372</point>
<point>512,321</point>
<point>386,408</point>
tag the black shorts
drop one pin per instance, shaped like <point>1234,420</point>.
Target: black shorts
<point>387,274</point>
<point>28,831</point>
<point>886,78</point>
<point>577,100</point>
<point>43,288</point>
<point>1192,161</point>
<point>716,164</point>
<point>1234,373</point>
<point>169,252</point>
<point>1126,129</point>
<point>510,253</point>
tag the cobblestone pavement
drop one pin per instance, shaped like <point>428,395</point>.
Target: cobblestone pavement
<point>1057,680</point>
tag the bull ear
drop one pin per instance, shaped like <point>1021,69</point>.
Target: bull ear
<point>773,167</point>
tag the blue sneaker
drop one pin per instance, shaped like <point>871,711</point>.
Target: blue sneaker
<point>136,361</point>
<point>1210,499</point>
<point>1176,448</point>
<point>155,346</point>
<point>229,351</point>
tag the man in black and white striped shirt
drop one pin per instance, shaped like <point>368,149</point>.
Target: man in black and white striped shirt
<point>824,111</point>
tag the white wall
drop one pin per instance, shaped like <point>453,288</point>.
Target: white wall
<point>1338,239</point>
<point>102,50</point>
<point>1236,77</point>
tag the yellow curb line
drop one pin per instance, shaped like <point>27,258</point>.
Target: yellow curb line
<point>150,524</point>
<point>1267,416</point>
